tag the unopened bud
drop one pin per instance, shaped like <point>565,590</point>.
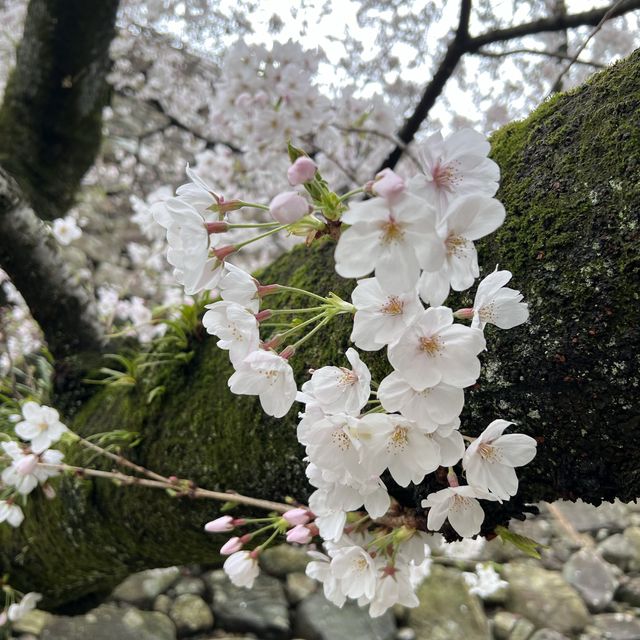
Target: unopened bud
<point>299,534</point>
<point>296,516</point>
<point>27,465</point>
<point>224,523</point>
<point>288,207</point>
<point>301,171</point>
<point>388,184</point>
<point>231,546</point>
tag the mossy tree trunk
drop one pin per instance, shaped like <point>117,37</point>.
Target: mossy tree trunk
<point>569,378</point>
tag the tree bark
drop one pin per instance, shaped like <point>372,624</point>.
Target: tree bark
<point>51,117</point>
<point>569,378</point>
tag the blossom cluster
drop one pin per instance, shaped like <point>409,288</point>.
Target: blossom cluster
<point>408,246</point>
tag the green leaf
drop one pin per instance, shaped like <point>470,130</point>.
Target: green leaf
<point>526,545</point>
<point>228,506</point>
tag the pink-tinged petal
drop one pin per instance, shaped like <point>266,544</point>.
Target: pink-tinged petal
<point>466,517</point>
<point>517,448</point>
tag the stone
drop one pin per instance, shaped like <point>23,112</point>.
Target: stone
<point>503,624</point>
<point>191,614</point>
<point>141,589</point>
<point>547,634</point>
<point>299,586</point>
<point>318,619</point>
<point>592,577</point>
<point>545,598</point>
<point>191,585</point>
<point>447,609</point>
<point>32,622</point>
<point>618,550</point>
<point>405,633</point>
<point>632,535</point>
<point>629,592</point>
<point>108,622</point>
<point>262,610</point>
<point>283,559</point>
<point>587,518</point>
<point>617,626</point>
<point>162,603</point>
<point>522,630</point>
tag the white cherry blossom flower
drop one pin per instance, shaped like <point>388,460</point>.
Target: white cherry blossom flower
<point>320,569</point>
<point>395,239</point>
<point>401,447</point>
<point>454,167</point>
<point>450,443</point>
<point>342,390</point>
<point>41,425</point>
<point>269,376</point>
<point>238,286</point>
<point>11,513</point>
<point>485,582</point>
<point>236,327</point>
<point>17,611</point>
<point>496,304</point>
<point>381,317</point>
<point>441,403</point>
<point>490,459</point>
<point>434,350</point>
<point>460,506</point>
<point>66,230</point>
<point>24,473</point>
<point>356,571</point>
<point>242,569</point>
<point>393,587</point>
<point>466,220</point>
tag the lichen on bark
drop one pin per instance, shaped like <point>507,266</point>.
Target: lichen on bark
<point>569,378</point>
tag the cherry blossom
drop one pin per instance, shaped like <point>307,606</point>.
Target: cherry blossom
<point>394,238</point>
<point>28,603</point>
<point>24,473</point>
<point>41,425</point>
<point>357,572</point>
<point>288,207</point>
<point>11,513</point>
<point>433,350</point>
<point>455,166</point>
<point>269,376</point>
<point>301,171</point>
<point>66,230</point>
<point>242,568</point>
<point>490,459</point>
<point>496,304</point>
<point>380,317</point>
<point>238,286</point>
<point>460,506</point>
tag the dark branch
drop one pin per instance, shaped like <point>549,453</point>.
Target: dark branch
<point>463,43</point>
<point>62,308</point>
<point>51,119</point>
<point>548,54</point>
<point>456,49</point>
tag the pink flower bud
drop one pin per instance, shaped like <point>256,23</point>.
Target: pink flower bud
<point>224,523</point>
<point>27,465</point>
<point>301,171</point>
<point>288,207</point>
<point>296,516</point>
<point>231,546</point>
<point>388,184</point>
<point>299,534</point>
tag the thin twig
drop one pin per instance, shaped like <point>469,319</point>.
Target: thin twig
<point>549,54</point>
<point>177,486</point>
<point>581,48</point>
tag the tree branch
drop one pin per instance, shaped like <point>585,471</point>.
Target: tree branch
<point>548,54</point>
<point>29,255</point>
<point>51,118</point>
<point>463,43</point>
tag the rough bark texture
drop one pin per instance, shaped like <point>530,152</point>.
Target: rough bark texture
<point>569,378</point>
<point>51,118</point>
<point>70,325</point>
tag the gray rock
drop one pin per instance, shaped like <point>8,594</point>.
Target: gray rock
<point>503,623</point>
<point>547,634</point>
<point>629,592</point>
<point>162,603</point>
<point>617,626</point>
<point>587,518</point>
<point>262,610</point>
<point>447,609</point>
<point>283,559</point>
<point>618,550</point>
<point>522,630</point>
<point>190,613</point>
<point>545,598</point>
<point>592,577</point>
<point>632,535</point>
<point>318,619</point>
<point>191,585</point>
<point>109,622</point>
<point>298,586</point>
<point>141,589</point>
